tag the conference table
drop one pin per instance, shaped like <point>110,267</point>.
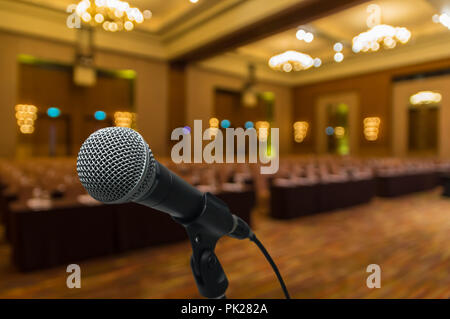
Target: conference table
<point>445,180</point>
<point>69,231</point>
<point>403,184</point>
<point>7,196</point>
<point>291,201</point>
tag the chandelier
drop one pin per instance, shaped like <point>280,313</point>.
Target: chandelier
<point>381,34</point>
<point>112,15</point>
<point>425,97</point>
<point>291,60</point>
<point>443,19</point>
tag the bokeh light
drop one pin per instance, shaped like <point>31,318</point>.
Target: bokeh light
<point>300,131</point>
<point>225,123</point>
<point>186,130</point>
<point>125,119</point>
<point>371,128</point>
<point>53,112</point>
<point>213,122</point>
<point>329,130</point>
<point>100,115</point>
<point>26,115</point>
<point>338,57</point>
<point>262,128</point>
<point>339,131</point>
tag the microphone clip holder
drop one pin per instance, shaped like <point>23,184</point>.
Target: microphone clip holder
<point>214,221</point>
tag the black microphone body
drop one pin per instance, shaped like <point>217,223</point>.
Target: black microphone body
<point>185,203</point>
<point>173,195</point>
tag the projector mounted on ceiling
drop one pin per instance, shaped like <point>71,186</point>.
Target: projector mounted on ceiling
<point>84,73</point>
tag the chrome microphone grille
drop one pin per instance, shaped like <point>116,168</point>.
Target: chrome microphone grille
<point>115,165</point>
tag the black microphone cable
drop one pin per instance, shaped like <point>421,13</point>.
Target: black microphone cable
<point>266,254</point>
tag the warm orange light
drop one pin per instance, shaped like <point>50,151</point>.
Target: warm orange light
<point>26,115</point>
<point>262,128</point>
<point>112,15</point>
<point>213,122</point>
<point>125,119</point>
<point>291,60</point>
<point>339,131</point>
<point>425,97</point>
<point>300,131</point>
<point>371,128</point>
<point>213,127</point>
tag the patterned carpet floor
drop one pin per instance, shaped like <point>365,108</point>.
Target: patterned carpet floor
<point>320,256</point>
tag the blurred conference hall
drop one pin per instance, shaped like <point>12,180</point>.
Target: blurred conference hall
<point>351,99</point>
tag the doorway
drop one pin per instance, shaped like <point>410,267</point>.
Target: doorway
<point>337,120</point>
<point>423,129</point>
<point>420,128</point>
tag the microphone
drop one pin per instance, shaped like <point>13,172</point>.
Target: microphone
<point>115,165</point>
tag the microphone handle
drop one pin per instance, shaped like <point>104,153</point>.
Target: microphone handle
<point>173,195</point>
<point>186,204</point>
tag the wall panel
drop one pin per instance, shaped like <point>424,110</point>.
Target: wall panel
<point>375,93</point>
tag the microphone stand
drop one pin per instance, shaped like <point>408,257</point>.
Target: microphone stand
<point>214,222</point>
<point>208,272</point>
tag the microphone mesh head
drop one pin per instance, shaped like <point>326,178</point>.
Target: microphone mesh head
<point>115,165</point>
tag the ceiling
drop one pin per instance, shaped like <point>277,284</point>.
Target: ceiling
<point>165,12</point>
<point>416,15</point>
<point>179,26</point>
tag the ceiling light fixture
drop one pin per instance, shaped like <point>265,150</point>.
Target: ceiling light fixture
<point>291,60</point>
<point>338,57</point>
<point>443,19</point>
<point>379,34</point>
<point>338,47</point>
<point>425,97</point>
<point>382,34</point>
<point>304,35</point>
<point>112,15</point>
<point>317,62</point>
